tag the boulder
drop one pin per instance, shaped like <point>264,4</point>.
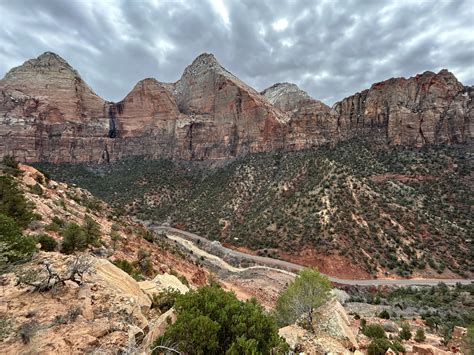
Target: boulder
<point>331,319</point>
<point>332,333</point>
<point>426,349</point>
<point>122,282</point>
<point>293,335</point>
<point>158,327</point>
<point>162,282</point>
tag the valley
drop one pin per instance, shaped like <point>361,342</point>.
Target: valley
<point>409,209</point>
<point>205,201</point>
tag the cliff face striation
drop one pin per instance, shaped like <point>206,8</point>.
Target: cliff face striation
<point>428,108</point>
<point>48,113</point>
<point>311,120</point>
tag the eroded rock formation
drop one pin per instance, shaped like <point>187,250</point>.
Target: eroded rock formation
<point>48,113</point>
<point>427,108</point>
<point>311,120</point>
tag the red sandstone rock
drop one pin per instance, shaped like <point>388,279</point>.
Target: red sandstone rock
<point>48,113</point>
<point>428,108</point>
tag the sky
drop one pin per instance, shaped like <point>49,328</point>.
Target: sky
<point>331,49</point>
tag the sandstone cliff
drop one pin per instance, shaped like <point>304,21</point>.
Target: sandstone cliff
<point>48,113</point>
<point>311,120</point>
<point>427,108</point>
<point>227,117</point>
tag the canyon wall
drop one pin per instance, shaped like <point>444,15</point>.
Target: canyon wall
<point>48,113</point>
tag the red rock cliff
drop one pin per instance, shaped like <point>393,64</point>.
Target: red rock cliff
<point>48,113</point>
<point>427,108</point>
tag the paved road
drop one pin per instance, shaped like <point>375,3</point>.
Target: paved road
<point>288,266</point>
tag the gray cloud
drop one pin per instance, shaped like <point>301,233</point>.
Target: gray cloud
<point>330,48</point>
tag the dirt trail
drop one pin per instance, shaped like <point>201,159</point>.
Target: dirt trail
<point>218,261</point>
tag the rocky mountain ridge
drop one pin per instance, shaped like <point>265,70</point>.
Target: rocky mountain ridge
<point>48,113</point>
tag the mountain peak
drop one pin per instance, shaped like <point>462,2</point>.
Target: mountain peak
<point>282,91</point>
<point>48,56</point>
<point>202,63</point>
<point>47,60</point>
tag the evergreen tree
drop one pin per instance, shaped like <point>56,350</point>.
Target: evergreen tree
<point>212,321</point>
<point>308,291</point>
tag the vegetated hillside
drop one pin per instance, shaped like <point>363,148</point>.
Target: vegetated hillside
<point>69,270</point>
<point>382,209</point>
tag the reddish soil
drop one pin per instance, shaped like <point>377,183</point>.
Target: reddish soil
<point>403,178</point>
<point>332,265</point>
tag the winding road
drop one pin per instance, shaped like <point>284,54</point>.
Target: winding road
<point>187,238</point>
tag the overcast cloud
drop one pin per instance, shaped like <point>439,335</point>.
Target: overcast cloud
<point>330,48</point>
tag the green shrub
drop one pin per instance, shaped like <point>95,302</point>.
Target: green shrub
<point>74,238</point>
<point>13,203</point>
<point>128,268</point>
<point>183,280</point>
<point>384,314</point>
<point>115,238</point>
<point>212,321</point>
<point>144,262</point>
<point>303,295</point>
<point>37,189</point>
<point>56,224</point>
<point>374,331</point>
<point>124,265</point>
<point>420,335</point>
<point>92,231</point>
<point>13,245</point>
<point>10,161</point>
<point>378,346</point>
<point>397,346</point>
<point>92,203</point>
<point>405,333</point>
<point>165,299</point>
<point>467,341</point>
<point>10,165</point>
<point>47,242</point>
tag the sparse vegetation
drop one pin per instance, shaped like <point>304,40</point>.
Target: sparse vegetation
<point>399,203</point>
<point>28,331</point>
<point>441,307</point>
<point>5,328</point>
<point>420,335</point>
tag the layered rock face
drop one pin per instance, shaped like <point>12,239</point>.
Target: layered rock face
<point>48,113</point>
<point>425,109</point>
<point>227,117</point>
<point>311,120</point>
